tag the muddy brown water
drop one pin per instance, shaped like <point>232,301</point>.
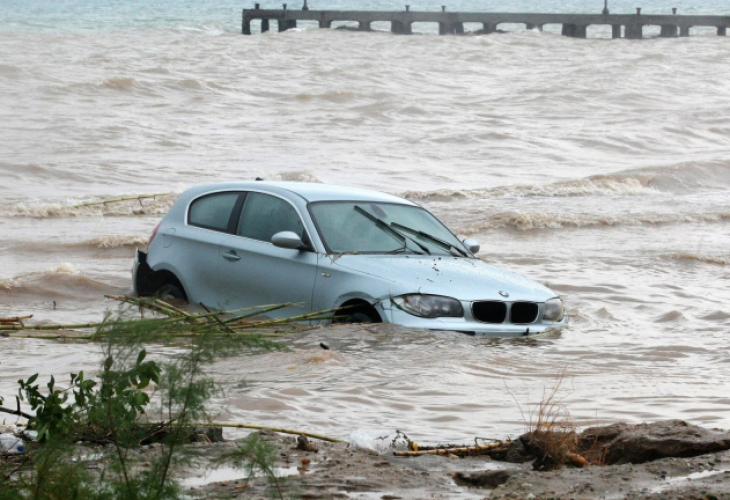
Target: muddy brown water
<point>600,169</point>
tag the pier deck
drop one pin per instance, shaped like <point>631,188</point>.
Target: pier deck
<point>573,25</point>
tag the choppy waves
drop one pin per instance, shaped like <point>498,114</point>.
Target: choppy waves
<point>681,178</point>
<point>157,206</point>
<point>62,281</point>
<point>115,241</point>
<point>528,221</point>
<point>594,186</point>
<point>721,260</point>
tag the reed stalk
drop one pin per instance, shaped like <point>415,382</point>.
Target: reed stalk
<point>118,200</point>
<point>265,427</point>
<point>50,327</point>
<point>462,450</point>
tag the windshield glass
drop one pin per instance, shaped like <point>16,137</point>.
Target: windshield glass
<point>367,227</point>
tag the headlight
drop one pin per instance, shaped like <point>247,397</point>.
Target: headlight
<point>553,310</point>
<point>429,306</point>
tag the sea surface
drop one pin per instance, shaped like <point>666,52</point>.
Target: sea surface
<point>599,167</point>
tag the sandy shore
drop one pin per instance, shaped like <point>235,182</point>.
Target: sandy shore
<point>339,470</point>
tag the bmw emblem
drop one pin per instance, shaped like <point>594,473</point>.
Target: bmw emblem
<point>503,293</point>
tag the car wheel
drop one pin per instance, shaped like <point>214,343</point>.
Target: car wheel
<point>171,292</point>
<point>359,317</point>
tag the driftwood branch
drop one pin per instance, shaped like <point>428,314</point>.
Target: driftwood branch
<point>17,410</point>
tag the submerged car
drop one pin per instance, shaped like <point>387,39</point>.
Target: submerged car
<point>380,257</point>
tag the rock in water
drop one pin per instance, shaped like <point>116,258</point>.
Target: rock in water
<point>625,443</point>
<point>305,444</point>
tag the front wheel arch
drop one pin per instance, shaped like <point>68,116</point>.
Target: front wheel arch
<point>357,311</point>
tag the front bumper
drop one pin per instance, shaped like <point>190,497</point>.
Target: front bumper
<point>469,325</point>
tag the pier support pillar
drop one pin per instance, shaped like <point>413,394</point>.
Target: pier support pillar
<point>615,31</point>
<point>488,28</point>
<point>580,31</point>
<point>568,30</point>
<point>264,25</point>
<point>684,31</point>
<point>721,31</point>
<point>363,26</point>
<point>451,28</point>
<point>669,31</point>
<point>246,26</point>
<point>324,24</point>
<point>400,28</point>
<point>529,26</point>
<point>634,31</point>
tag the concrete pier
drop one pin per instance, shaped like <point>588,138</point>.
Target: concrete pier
<point>452,23</point>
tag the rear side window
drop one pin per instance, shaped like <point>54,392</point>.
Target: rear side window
<point>263,216</point>
<point>213,211</point>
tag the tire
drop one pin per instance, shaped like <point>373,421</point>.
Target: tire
<point>171,292</point>
<point>359,317</point>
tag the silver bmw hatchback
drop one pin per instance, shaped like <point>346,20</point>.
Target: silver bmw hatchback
<point>380,257</point>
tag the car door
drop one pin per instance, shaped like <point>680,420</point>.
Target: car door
<point>252,271</point>
<point>194,247</point>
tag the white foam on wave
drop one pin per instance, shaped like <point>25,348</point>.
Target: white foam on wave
<point>64,268</point>
<point>10,283</point>
<point>145,206</point>
<point>18,281</point>
<point>116,241</point>
<point>591,186</point>
<point>59,281</point>
<point>296,176</point>
<point>537,220</point>
<point>679,178</point>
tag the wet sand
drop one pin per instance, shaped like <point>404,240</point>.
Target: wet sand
<point>342,471</point>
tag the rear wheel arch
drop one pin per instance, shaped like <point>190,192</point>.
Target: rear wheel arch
<point>151,282</point>
<point>169,283</point>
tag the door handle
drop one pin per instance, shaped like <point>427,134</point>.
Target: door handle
<point>231,256</point>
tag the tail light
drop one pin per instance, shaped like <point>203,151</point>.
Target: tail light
<point>154,233</point>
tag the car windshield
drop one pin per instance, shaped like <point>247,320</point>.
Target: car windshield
<point>369,227</point>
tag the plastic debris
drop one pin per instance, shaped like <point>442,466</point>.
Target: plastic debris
<point>11,444</point>
<point>381,441</point>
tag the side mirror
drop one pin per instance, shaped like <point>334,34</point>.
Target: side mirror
<point>472,245</point>
<point>287,239</point>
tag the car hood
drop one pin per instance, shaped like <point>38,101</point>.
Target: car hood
<point>463,279</point>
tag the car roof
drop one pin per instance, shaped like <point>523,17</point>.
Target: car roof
<point>313,192</point>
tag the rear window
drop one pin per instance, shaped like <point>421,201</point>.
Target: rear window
<point>213,211</point>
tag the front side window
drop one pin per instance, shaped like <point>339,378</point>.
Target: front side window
<point>263,216</point>
<point>213,211</point>
<point>368,227</point>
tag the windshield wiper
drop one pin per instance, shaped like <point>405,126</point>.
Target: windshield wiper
<point>388,228</point>
<point>438,241</point>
